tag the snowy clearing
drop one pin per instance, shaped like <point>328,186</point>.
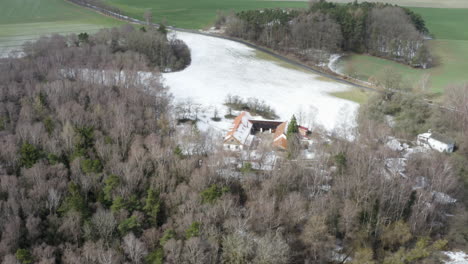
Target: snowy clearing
<point>221,67</point>
<point>458,257</point>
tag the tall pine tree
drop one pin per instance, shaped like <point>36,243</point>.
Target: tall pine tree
<point>293,128</point>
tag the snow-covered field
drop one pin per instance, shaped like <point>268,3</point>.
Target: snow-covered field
<point>221,67</point>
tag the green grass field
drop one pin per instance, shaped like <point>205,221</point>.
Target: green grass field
<point>356,95</point>
<point>193,14</point>
<point>446,23</point>
<point>23,20</point>
<point>450,46</point>
<point>418,3</point>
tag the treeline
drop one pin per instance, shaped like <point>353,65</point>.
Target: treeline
<point>92,170</point>
<point>378,29</point>
<point>109,48</point>
<point>253,105</point>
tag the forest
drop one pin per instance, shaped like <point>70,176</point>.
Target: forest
<point>91,171</point>
<point>377,29</point>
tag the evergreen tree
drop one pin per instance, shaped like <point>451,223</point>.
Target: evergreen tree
<point>110,184</point>
<point>74,201</point>
<point>83,37</point>
<point>293,128</point>
<point>162,29</point>
<point>130,224</point>
<point>24,256</point>
<point>152,206</point>
<point>29,155</point>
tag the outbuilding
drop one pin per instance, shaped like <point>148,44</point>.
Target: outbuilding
<point>436,141</point>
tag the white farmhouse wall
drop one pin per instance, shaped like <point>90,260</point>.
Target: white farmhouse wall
<point>233,147</point>
<point>427,141</point>
<point>440,146</point>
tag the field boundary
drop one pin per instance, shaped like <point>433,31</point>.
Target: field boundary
<point>335,77</point>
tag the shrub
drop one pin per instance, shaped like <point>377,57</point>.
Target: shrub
<point>253,105</point>
<point>193,230</point>
<point>211,194</point>
<point>91,166</point>
<point>156,257</point>
<point>129,224</point>
<point>168,235</point>
<point>23,256</point>
<point>246,168</point>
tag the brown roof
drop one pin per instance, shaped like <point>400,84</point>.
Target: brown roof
<point>281,143</point>
<point>280,132</point>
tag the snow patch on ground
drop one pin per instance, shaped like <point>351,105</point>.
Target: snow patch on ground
<point>221,67</point>
<point>333,63</point>
<point>456,257</point>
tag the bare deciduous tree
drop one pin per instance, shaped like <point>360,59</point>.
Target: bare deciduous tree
<point>134,248</point>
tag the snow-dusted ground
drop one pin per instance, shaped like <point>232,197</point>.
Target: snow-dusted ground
<point>221,67</point>
<point>333,63</point>
<point>458,257</point>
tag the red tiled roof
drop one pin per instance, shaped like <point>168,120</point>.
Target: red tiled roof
<point>279,139</point>
<point>241,128</point>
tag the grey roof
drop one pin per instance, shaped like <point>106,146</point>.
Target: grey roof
<point>442,138</point>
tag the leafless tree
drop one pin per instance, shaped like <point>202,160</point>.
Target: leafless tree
<point>271,249</point>
<point>173,248</point>
<point>53,200</point>
<point>104,224</point>
<point>316,31</point>
<point>71,226</point>
<point>148,16</point>
<point>196,251</point>
<point>134,248</point>
<point>238,248</point>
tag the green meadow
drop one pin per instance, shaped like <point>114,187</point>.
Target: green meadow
<point>448,27</point>
<point>24,20</point>
<point>193,14</point>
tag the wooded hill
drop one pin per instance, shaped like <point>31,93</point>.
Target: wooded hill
<point>91,172</point>
<point>378,29</point>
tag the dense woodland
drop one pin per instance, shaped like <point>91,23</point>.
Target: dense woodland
<point>91,172</point>
<point>378,29</point>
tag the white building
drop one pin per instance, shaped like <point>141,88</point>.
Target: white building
<point>436,141</point>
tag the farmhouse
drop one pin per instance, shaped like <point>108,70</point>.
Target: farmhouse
<point>280,139</point>
<point>241,134</point>
<point>436,141</point>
